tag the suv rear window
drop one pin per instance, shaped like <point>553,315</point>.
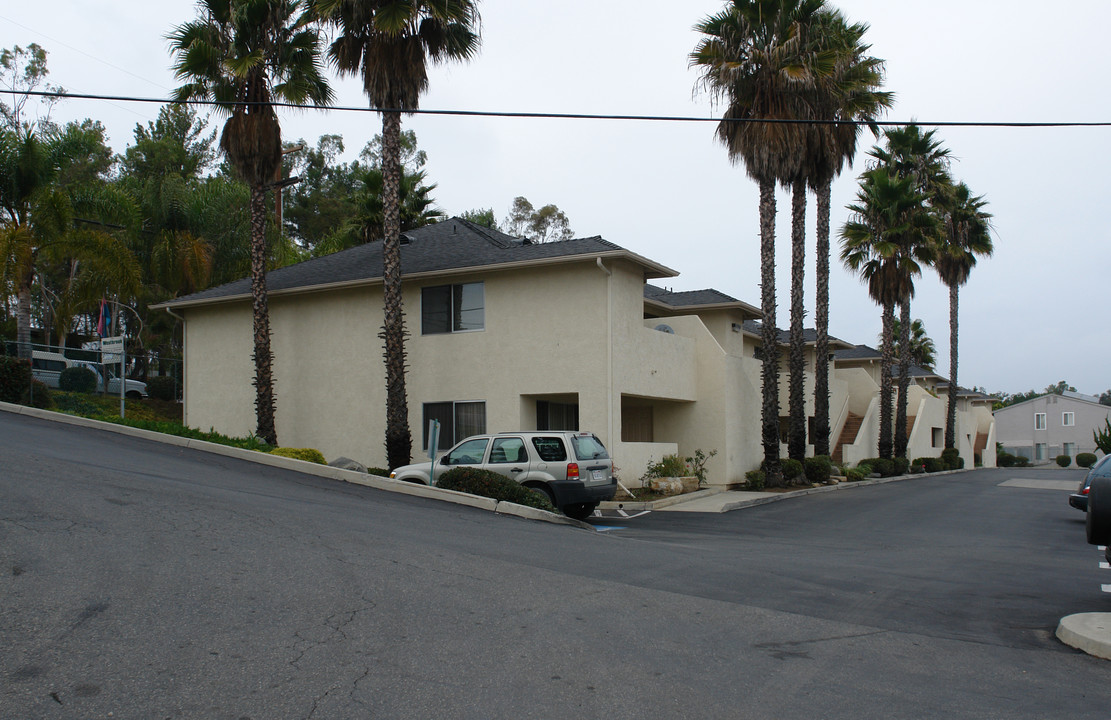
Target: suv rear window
<point>588,447</point>
<point>550,449</point>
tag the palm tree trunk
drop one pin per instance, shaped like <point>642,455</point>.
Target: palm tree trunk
<point>887,355</point>
<point>23,316</point>
<point>820,436</point>
<point>796,439</point>
<point>399,441</point>
<point>951,411</point>
<point>769,340</point>
<point>904,381</point>
<point>264,380</point>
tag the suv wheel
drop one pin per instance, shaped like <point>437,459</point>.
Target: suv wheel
<point>580,511</point>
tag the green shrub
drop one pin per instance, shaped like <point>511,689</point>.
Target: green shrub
<point>754,480</point>
<point>1021,461</point>
<point>951,458</point>
<point>15,378</point>
<point>669,466</point>
<point>380,472</point>
<point>162,387</point>
<point>1086,460</point>
<point>77,379</point>
<point>1064,460</point>
<point>486,483</point>
<point>1004,459</point>
<point>307,454</point>
<point>918,464</point>
<point>818,469</point>
<point>40,398</point>
<point>792,470</point>
<point>902,465</point>
<point>855,474</point>
<point>697,464</point>
<point>934,464</point>
<point>885,467</point>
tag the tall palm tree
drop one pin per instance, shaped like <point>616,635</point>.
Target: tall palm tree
<point>966,235</point>
<point>390,44</point>
<point>755,57</point>
<point>854,97</point>
<point>246,55</point>
<point>884,242</point>
<point>919,156</point>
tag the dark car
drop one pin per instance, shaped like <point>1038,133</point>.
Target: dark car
<point>1079,499</point>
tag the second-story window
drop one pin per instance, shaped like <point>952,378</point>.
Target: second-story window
<point>1039,421</point>
<point>452,308</point>
<point>1068,419</point>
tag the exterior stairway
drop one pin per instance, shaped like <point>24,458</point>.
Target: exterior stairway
<point>848,435</point>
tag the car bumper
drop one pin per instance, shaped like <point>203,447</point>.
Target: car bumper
<point>1078,501</point>
<point>574,492</point>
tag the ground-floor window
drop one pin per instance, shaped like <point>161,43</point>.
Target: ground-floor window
<point>1069,449</point>
<point>556,415</point>
<point>637,423</point>
<point>458,420</point>
<point>1039,451</point>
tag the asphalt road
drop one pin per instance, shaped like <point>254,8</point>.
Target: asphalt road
<point>143,581</point>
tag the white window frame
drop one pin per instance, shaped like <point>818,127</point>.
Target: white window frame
<point>1068,419</point>
<point>1039,421</point>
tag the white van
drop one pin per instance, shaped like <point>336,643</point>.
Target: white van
<point>47,367</point>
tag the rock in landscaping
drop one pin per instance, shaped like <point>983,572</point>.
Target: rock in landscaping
<point>344,463</point>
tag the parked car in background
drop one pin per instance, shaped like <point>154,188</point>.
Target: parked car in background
<point>47,368</point>
<point>1079,499</point>
<point>572,469</point>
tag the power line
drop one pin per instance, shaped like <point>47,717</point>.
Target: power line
<point>564,116</point>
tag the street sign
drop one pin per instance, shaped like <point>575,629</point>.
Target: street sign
<point>112,348</point>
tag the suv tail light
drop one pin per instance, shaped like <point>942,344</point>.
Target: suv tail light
<point>1085,491</point>
<point>572,471</point>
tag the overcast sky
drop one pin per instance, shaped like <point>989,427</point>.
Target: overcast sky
<point>1029,316</point>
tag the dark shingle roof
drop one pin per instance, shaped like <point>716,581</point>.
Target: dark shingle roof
<point>454,244</point>
<point>689,298</point>
<point>809,335</point>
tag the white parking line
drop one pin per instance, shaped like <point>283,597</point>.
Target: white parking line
<point>1104,566</point>
<point>1106,588</point>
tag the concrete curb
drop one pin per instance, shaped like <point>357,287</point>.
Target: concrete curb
<point>769,497</point>
<point>308,468</point>
<point>1090,632</point>
<point>661,503</point>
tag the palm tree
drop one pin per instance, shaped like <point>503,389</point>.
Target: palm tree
<point>36,213</point>
<point>246,55</point>
<point>755,57</point>
<point>966,236</point>
<point>922,349</point>
<point>884,243</point>
<point>855,97</point>
<point>390,44</point>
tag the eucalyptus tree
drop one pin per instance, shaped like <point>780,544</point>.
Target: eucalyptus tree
<point>246,55</point>
<point>853,98</point>
<point>966,236</point>
<point>754,57</point>
<point>885,241</point>
<point>390,44</point>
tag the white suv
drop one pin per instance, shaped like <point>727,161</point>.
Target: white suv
<point>572,469</point>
